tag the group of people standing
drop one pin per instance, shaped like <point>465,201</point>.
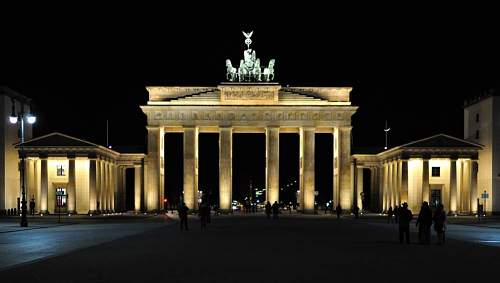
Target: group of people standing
<point>204,213</point>
<point>425,219</point>
<point>274,209</point>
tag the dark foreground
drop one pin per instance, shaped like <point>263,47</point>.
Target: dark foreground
<point>294,248</point>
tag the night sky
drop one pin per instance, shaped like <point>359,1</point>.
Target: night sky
<point>412,66</point>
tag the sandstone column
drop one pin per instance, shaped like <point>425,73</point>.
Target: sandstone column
<point>225,167</point>
<point>336,179</point>
<point>404,181</point>
<point>137,188</point>
<point>71,186</point>
<point>44,194</point>
<point>453,186</point>
<point>425,182</point>
<point>152,192</point>
<point>272,164</point>
<point>473,186</point>
<point>307,140</point>
<point>92,185</point>
<point>190,167</point>
<point>345,167</point>
<point>359,188</point>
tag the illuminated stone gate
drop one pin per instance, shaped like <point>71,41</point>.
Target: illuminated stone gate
<point>249,108</point>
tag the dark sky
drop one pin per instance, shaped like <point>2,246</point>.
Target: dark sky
<point>413,66</point>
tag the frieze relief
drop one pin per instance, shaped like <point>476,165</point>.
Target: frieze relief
<point>249,116</point>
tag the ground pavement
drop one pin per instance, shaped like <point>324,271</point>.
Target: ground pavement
<point>251,248</point>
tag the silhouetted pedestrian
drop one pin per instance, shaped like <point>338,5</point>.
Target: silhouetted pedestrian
<point>204,211</point>
<point>439,223</point>
<point>396,213</point>
<point>276,210</point>
<point>268,210</point>
<point>338,210</point>
<point>389,215</point>
<point>424,223</point>
<point>32,206</point>
<point>356,211</point>
<point>405,217</point>
<point>183,216</point>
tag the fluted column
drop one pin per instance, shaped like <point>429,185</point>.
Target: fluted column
<point>152,192</point>
<point>345,167</point>
<point>124,189</point>
<point>92,185</point>
<point>425,182</point>
<point>453,186</point>
<point>385,186</point>
<point>474,192</point>
<point>335,158</point>
<point>190,167</point>
<point>114,187</point>
<point>307,140</point>
<point>404,181</point>
<point>397,184</point>
<point>44,183</point>
<point>373,189</point>
<point>137,188</point>
<point>359,187</point>
<point>272,164</point>
<point>225,167</point>
<point>71,185</point>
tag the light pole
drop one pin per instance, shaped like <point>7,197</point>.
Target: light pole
<point>19,119</point>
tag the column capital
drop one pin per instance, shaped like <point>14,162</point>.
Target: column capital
<point>344,128</point>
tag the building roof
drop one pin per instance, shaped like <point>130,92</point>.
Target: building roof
<point>441,141</point>
<point>14,95</point>
<point>57,140</point>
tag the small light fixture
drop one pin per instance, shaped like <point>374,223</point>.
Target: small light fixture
<point>13,116</point>
<point>13,119</point>
<point>31,119</point>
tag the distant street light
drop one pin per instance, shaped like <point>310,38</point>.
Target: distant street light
<point>18,119</point>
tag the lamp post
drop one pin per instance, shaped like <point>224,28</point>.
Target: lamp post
<point>19,119</point>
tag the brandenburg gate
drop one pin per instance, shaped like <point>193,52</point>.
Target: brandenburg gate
<point>249,108</point>
<point>249,103</point>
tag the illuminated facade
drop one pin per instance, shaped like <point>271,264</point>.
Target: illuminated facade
<point>68,175</point>
<point>266,108</point>
<point>439,169</point>
<point>482,125</point>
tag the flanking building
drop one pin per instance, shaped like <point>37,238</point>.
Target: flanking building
<point>69,175</point>
<point>482,125</point>
<point>439,170</point>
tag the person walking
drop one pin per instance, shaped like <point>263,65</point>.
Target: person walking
<point>389,215</point>
<point>268,210</point>
<point>439,223</point>
<point>338,210</point>
<point>183,216</point>
<point>32,206</point>
<point>356,212</point>
<point>276,210</point>
<point>396,213</point>
<point>424,223</point>
<point>203,215</point>
<point>405,217</point>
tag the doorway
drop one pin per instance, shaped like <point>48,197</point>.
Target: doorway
<point>436,196</point>
<point>61,200</point>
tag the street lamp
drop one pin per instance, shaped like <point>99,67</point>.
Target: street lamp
<point>19,119</point>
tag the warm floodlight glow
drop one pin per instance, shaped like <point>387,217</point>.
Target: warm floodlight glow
<point>13,119</point>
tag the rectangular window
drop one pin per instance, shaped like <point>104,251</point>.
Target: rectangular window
<point>477,117</point>
<point>60,170</point>
<point>477,134</point>
<point>436,171</point>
